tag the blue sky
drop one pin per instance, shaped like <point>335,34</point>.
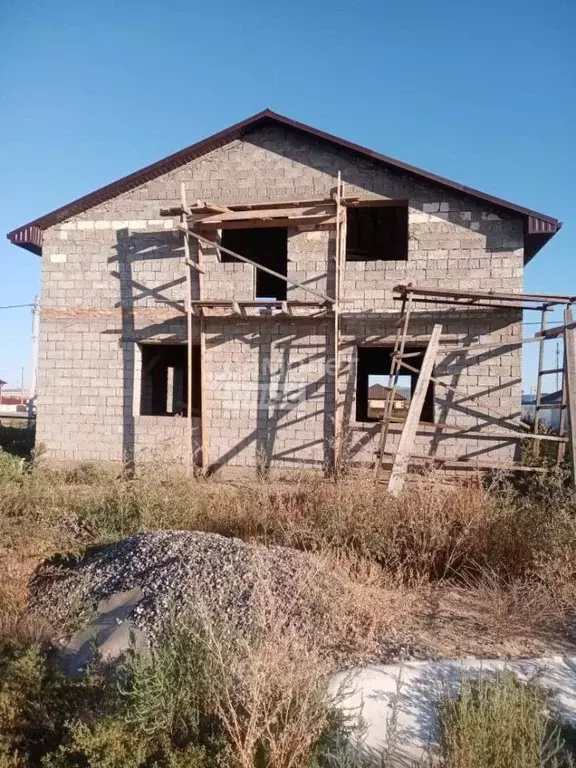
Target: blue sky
<point>483,93</point>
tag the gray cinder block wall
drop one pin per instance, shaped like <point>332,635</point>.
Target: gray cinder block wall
<point>113,278</point>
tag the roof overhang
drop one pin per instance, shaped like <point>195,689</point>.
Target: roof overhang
<point>538,227</point>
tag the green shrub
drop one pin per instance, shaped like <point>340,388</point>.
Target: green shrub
<point>501,723</point>
<point>112,515</point>
<point>11,467</point>
<point>203,697</point>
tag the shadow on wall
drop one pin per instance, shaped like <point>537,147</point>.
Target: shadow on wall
<point>275,436</point>
<point>398,703</point>
<point>279,395</point>
<point>452,369</point>
<point>136,258</point>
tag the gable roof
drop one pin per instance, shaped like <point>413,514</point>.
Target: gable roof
<point>538,227</point>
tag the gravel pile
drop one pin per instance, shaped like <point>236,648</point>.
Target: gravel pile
<point>175,570</point>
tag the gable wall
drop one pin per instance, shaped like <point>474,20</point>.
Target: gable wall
<point>113,275</point>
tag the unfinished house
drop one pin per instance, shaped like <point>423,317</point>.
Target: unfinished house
<point>235,305</point>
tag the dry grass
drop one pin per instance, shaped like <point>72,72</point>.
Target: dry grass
<point>511,552</point>
<point>508,606</point>
<point>206,695</point>
<point>379,570</point>
<point>268,690</point>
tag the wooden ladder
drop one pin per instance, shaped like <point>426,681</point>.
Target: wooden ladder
<point>542,372</point>
<point>408,436</point>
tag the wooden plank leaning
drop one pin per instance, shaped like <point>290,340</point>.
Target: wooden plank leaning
<point>408,436</point>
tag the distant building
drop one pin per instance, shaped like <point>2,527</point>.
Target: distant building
<point>377,397</point>
<point>13,400</point>
<point>548,417</point>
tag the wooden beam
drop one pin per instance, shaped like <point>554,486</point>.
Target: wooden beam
<point>402,456</point>
<point>563,414</point>
<point>496,303</point>
<point>189,358</point>
<point>570,349</point>
<point>262,303</point>
<point>193,264</point>
<point>548,407</point>
<point>337,262</point>
<point>399,345</point>
<point>204,435</point>
<point>283,204</point>
<point>268,204</point>
<point>272,223</point>
<point>267,213</point>
<point>464,463</point>
<point>536,297</point>
<point>208,206</point>
<point>550,370</point>
<point>555,330</point>
<point>373,202</point>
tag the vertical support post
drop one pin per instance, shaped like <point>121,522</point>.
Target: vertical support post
<point>570,375</point>
<point>539,379</point>
<point>203,421</point>
<point>399,345</point>
<point>336,309</point>
<point>188,268</point>
<point>561,449</point>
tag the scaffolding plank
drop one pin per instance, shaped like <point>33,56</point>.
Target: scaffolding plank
<point>177,211</point>
<point>255,303</point>
<point>402,457</point>
<point>495,303</point>
<point>267,222</point>
<point>456,294</point>
<point>267,213</point>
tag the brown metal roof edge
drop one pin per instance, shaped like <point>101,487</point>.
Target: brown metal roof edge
<point>30,235</point>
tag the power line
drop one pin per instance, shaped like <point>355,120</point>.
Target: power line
<point>16,306</point>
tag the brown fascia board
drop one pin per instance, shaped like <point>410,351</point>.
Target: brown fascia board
<point>539,227</point>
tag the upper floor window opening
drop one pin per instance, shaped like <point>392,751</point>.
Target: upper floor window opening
<point>377,232</point>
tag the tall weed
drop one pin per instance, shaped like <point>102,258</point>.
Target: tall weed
<point>501,723</point>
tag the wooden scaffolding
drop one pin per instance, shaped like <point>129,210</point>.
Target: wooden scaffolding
<point>405,455</point>
<point>197,221</point>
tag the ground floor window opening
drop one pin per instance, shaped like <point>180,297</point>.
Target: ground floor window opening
<point>372,390</point>
<point>164,377</point>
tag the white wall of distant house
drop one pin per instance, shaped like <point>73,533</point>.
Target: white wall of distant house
<point>550,417</point>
